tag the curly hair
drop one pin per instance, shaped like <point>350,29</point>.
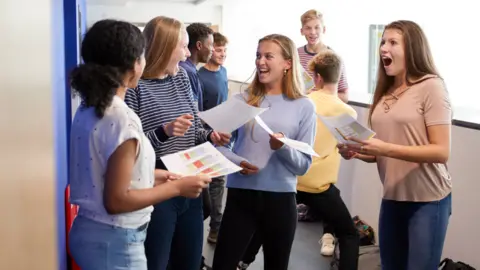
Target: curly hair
<point>110,49</point>
<point>197,32</point>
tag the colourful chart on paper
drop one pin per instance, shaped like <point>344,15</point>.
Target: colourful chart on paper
<point>201,159</point>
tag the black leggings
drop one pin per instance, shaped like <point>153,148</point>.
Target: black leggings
<point>273,215</point>
<point>330,207</point>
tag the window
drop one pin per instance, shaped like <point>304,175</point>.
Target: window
<point>375,37</point>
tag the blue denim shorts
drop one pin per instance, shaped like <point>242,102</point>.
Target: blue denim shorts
<point>98,246</point>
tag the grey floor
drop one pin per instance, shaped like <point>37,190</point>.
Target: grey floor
<point>305,251</point>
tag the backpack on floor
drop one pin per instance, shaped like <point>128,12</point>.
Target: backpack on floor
<point>304,214</point>
<point>365,232</point>
<point>449,264</point>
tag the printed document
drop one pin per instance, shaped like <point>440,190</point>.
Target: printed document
<point>345,126</point>
<point>308,81</point>
<point>230,115</point>
<point>202,159</point>
<point>297,145</point>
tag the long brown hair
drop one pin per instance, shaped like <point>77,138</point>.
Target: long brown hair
<point>162,35</point>
<point>292,83</point>
<point>418,60</point>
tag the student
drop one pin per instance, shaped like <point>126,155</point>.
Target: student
<point>112,163</point>
<point>316,189</point>
<point>201,47</point>
<point>261,197</point>
<point>163,100</point>
<point>412,116</point>
<point>213,77</point>
<point>313,29</point>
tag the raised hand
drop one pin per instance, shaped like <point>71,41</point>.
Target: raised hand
<point>179,126</point>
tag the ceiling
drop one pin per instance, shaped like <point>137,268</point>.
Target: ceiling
<point>124,2</point>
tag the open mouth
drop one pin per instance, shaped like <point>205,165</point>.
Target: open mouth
<point>387,61</point>
<point>263,71</point>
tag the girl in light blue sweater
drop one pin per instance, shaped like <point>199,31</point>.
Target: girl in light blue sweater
<point>261,197</point>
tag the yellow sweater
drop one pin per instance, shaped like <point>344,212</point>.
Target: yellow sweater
<point>324,170</point>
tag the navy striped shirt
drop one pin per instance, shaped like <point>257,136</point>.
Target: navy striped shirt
<point>160,101</point>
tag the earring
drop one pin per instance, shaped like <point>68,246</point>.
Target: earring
<point>285,72</point>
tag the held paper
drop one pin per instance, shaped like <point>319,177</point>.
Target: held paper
<point>345,126</point>
<point>297,145</point>
<point>230,115</point>
<point>203,159</point>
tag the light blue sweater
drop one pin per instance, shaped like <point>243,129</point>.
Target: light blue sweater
<point>278,169</point>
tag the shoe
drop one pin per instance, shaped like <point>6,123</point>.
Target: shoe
<point>212,237</point>
<point>242,266</point>
<point>327,244</point>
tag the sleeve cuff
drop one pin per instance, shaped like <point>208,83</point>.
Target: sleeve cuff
<point>161,135</point>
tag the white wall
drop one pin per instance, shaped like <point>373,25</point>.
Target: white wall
<point>144,11</point>
<point>362,191</point>
<point>451,36</point>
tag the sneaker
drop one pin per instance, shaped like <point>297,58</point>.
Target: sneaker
<point>242,266</point>
<point>212,237</point>
<point>327,244</point>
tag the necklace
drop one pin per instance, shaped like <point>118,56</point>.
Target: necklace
<point>392,98</point>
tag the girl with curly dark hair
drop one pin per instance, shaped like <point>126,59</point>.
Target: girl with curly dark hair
<point>112,163</point>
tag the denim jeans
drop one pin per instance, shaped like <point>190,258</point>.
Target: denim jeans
<point>412,234</point>
<point>216,189</point>
<point>99,246</point>
<point>175,235</point>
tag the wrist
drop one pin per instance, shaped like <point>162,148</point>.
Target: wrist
<point>165,129</point>
<point>175,187</point>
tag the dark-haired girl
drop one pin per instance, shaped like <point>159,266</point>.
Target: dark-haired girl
<point>112,164</point>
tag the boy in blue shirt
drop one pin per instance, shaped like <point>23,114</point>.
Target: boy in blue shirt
<point>213,77</point>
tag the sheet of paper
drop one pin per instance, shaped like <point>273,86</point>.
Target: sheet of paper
<point>201,159</point>
<point>344,126</point>
<point>298,145</point>
<point>308,81</point>
<point>230,115</point>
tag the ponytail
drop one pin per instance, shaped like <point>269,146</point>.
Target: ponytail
<point>96,85</point>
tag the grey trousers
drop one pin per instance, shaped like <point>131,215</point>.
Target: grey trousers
<point>216,190</point>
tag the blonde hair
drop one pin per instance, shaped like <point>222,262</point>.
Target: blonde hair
<point>311,14</point>
<point>292,82</point>
<point>162,35</point>
<point>328,65</point>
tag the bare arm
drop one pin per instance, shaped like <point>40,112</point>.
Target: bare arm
<point>366,158</point>
<point>117,196</point>
<point>437,151</point>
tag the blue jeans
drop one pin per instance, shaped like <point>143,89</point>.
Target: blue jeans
<point>175,235</point>
<point>412,234</point>
<point>99,246</point>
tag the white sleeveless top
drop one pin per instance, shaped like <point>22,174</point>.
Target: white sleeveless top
<point>92,141</point>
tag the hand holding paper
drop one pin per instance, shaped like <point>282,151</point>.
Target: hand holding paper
<point>203,159</point>
<point>297,145</point>
<point>230,115</point>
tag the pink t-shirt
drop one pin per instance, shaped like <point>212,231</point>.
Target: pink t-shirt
<point>426,103</point>
<point>306,56</point>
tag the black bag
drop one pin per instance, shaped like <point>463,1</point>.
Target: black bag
<point>449,264</point>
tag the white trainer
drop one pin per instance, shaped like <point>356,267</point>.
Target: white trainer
<point>327,243</point>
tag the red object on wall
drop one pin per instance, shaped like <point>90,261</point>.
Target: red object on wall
<point>71,212</point>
